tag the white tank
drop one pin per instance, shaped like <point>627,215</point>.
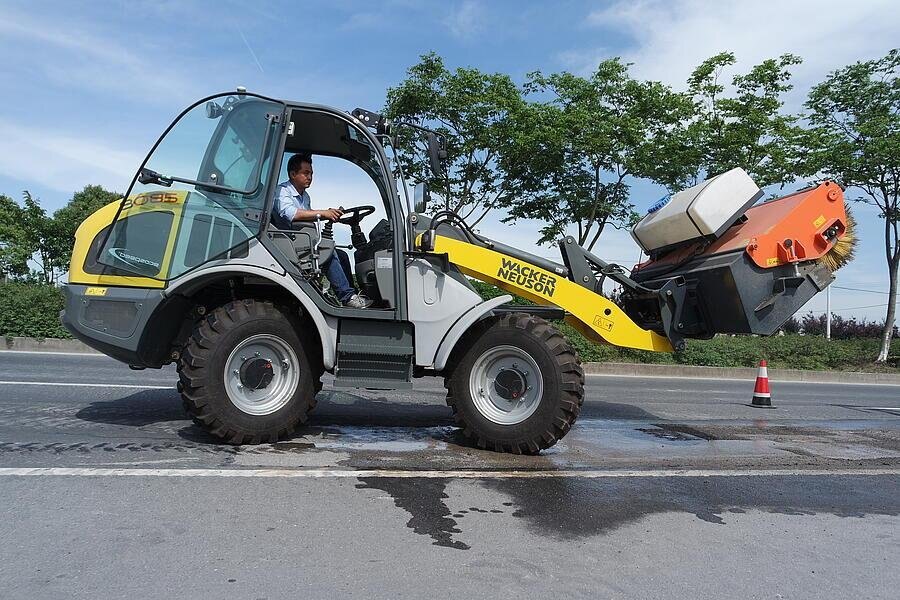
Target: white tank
<point>705,210</point>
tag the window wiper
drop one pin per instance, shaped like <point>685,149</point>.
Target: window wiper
<point>149,176</point>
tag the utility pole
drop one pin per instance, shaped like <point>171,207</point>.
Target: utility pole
<point>828,313</point>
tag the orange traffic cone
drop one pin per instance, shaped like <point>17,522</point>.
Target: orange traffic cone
<point>761,395</point>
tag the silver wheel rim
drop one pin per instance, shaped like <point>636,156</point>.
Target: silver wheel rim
<point>285,374</point>
<point>513,363</point>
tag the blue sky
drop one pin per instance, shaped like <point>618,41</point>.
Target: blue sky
<point>88,86</point>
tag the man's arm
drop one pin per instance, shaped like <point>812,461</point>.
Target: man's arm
<point>331,214</point>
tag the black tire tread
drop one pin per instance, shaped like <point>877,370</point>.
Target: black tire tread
<point>193,371</point>
<point>571,384</point>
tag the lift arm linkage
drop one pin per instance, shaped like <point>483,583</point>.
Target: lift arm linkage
<point>598,318</point>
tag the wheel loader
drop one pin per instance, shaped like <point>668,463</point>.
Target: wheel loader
<point>192,267</point>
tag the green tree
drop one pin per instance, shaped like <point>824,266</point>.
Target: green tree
<point>14,249</point>
<point>38,233</point>
<point>29,236</point>
<point>743,126</point>
<point>469,108</point>
<point>854,138</point>
<point>570,157</point>
<point>67,219</point>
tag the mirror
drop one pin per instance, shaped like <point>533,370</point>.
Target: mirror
<point>421,196</point>
<point>213,110</point>
<point>436,153</point>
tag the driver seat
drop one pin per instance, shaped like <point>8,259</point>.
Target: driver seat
<point>296,240</point>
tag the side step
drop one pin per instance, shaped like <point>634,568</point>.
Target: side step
<point>374,355</point>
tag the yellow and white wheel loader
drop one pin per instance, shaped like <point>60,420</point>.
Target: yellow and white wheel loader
<point>194,267</point>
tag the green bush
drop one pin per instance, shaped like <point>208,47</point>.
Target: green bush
<point>31,310</point>
<point>792,351</point>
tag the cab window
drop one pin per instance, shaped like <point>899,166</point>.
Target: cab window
<point>224,143</point>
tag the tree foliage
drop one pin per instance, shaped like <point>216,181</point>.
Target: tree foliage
<point>14,249</point>
<point>570,157</point>
<point>37,246</point>
<point>743,126</point>
<point>854,138</point>
<point>469,109</point>
<point>67,219</point>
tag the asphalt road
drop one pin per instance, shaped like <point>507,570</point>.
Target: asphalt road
<point>665,488</point>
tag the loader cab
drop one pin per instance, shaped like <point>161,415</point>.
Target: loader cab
<point>205,195</point>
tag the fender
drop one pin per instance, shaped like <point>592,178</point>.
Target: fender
<point>462,325</point>
<point>327,327</point>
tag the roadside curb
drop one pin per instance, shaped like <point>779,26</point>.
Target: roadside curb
<point>23,344</point>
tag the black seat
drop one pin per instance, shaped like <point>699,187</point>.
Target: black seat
<point>380,238</point>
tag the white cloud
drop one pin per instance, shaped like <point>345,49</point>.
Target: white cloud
<point>77,55</point>
<point>671,37</point>
<point>63,162</point>
<point>466,19</point>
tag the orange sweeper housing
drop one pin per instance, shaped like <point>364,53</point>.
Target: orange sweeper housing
<point>752,276</point>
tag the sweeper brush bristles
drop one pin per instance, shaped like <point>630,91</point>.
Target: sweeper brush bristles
<point>842,251</point>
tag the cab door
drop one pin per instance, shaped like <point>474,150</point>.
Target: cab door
<point>199,195</point>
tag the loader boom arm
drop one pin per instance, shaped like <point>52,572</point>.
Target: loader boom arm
<point>598,318</point>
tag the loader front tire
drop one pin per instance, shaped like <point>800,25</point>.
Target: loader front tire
<point>246,375</point>
<point>516,385</point>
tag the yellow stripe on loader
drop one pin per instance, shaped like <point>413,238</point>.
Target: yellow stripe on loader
<point>599,319</point>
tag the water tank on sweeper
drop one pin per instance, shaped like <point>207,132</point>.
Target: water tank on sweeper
<point>703,211</point>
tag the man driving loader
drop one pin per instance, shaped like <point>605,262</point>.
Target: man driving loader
<point>292,203</point>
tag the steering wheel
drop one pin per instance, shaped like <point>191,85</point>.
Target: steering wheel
<point>353,216</point>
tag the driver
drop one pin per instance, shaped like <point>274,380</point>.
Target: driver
<point>293,204</point>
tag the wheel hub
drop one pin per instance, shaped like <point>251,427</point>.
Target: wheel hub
<point>256,373</point>
<point>261,375</point>
<point>506,385</point>
<point>510,384</point>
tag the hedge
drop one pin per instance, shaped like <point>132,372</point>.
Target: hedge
<point>30,310</point>
<point>790,351</point>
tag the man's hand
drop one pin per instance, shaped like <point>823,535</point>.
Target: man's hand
<point>332,214</point>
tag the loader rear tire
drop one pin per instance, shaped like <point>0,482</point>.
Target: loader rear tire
<point>246,375</point>
<point>516,385</point>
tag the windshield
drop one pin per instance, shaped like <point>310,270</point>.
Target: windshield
<point>221,151</point>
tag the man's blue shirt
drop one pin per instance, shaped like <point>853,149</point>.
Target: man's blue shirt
<point>289,200</point>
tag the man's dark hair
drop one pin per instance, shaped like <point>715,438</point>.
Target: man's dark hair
<point>295,160</point>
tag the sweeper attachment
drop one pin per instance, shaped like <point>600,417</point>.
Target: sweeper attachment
<point>717,264</point>
<point>748,276</point>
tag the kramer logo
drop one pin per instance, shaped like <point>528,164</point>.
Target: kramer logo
<point>527,277</point>
<point>134,261</point>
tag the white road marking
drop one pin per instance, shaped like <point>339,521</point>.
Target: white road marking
<point>151,462</point>
<point>94,354</point>
<point>442,474</point>
<point>99,385</point>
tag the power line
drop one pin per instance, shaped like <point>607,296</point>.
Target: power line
<point>840,287</point>
<point>861,307</point>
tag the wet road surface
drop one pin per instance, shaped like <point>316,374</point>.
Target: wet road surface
<point>670,488</point>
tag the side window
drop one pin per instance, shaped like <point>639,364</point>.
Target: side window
<point>212,237</point>
<point>137,249</point>
<point>225,142</point>
<point>239,150</point>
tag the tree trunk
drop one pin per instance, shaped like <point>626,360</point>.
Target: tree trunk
<point>887,333</point>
